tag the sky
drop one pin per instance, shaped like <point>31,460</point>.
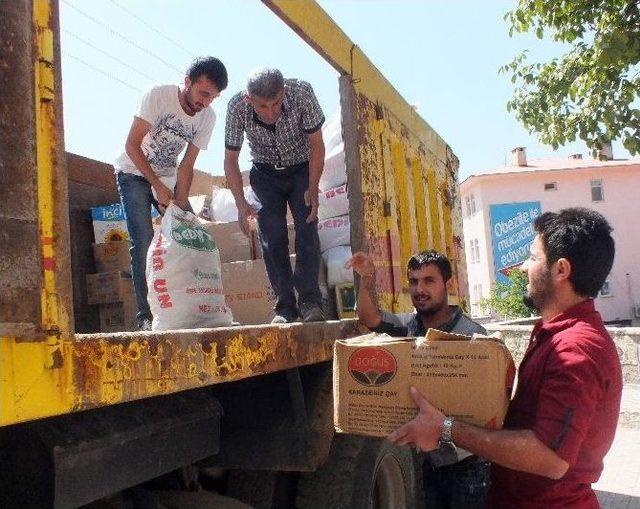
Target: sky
<point>442,56</point>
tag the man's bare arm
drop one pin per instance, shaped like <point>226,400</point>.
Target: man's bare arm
<point>133,147</point>
<point>316,165</point>
<point>185,175</point>
<point>515,449</point>
<point>368,307</point>
<point>234,181</point>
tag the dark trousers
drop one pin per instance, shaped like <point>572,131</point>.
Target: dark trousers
<point>276,189</point>
<point>463,485</point>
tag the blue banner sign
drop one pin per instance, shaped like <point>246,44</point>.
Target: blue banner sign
<point>511,235</point>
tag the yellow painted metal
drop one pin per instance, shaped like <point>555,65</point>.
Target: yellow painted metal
<point>409,156</point>
<point>62,374</point>
<point>434,209</point>
<point>53,313</point>
<point>419,199</point>
<point>97,370</point>
<point>313,24</point>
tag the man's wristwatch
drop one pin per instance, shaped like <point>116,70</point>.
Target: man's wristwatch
<point>445,433</point>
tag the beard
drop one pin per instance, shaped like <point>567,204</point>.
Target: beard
<point>431,308</point>
<point>539,292</point>
<point>188,97</point>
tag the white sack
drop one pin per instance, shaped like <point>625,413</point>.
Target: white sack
<point>334,232</point>
<point>334,259</point>
<point>335,168</point>
<point>332,131</point>
<point>223,206</point>
<point>184,275</point>
<point>333,202</point>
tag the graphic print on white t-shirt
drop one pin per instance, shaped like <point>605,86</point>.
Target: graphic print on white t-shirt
<point>164,143</point>
<point>171,130</point>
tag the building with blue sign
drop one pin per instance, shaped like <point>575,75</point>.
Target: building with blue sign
<point>499,207</point>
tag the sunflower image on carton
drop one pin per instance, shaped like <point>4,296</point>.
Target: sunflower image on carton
<point>469,378</point>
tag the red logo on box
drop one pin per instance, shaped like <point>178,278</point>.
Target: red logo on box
<point>372,366</point>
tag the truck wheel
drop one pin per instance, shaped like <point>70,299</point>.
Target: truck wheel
<point>363,473</point>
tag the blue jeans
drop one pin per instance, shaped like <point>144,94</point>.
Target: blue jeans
<point>275,189</point>
<point>137,199</point>
<point>463,485</point>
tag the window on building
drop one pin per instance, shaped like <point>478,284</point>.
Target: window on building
<point>470,205</point>
<point>606,290</point>
<point>474,251</point>
<point>597,190</point>
<point>476,297</point>
<point>551,186</point>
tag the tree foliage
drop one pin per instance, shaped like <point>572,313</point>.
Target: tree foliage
<point>506,298</point>
<point>591,91</point>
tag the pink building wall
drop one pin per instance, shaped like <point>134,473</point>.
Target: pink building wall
<point>621,207</point>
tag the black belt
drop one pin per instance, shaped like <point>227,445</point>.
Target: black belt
<point>277,167</point>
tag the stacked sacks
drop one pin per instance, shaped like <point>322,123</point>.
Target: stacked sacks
<point>334,227</point>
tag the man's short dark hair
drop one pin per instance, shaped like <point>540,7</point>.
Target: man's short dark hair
<point>210,67</point>
<point>583,237</point>
<point>431,257</point>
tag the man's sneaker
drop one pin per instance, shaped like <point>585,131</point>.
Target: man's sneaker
<point>285,316</point>
<point>312,313</point>
<point>144,324</point>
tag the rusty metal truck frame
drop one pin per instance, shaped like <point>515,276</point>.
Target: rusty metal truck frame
<point>58,389</point>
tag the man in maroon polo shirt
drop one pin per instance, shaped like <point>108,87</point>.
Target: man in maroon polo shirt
<point>562,419</point>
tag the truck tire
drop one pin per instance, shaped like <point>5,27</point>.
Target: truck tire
<point>363,473</point>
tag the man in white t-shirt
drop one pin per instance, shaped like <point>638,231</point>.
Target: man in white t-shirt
<point>169,118</point>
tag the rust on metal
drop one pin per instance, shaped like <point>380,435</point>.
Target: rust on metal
<point>94,370</point>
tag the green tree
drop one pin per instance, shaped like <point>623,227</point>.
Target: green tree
<point>506,298</point>
<point>591,91</point>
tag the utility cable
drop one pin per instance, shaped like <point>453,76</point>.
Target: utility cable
<point>122,62</point>
<point>101,71</point>
<point>124,38</point>
<point>152,28</point>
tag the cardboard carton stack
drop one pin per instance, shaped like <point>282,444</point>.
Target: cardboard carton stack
<point>468,378</point>
<point>113,293</point>
<point>245,281</point>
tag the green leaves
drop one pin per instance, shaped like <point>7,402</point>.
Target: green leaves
<point>591,91</point>
<point>506,299</point>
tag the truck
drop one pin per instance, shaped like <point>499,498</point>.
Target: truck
<point>84,414</point>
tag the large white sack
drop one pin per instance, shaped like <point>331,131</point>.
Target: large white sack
<point>335,168</point>
<point>184,275</point>
<point>333,202</point>
<point>333,232</point>
<point>223,206</point>
<point>332,131</point>
<point>335,259</point>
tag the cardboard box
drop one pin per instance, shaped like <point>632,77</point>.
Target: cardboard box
<point>109,224</point>
<point>113,256</point>
<point>257,248</point>
<point>470,380</point>
<point>248,291</point>
<point>119,316</point>
<point>232,243</point>
<point>108,287</point>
